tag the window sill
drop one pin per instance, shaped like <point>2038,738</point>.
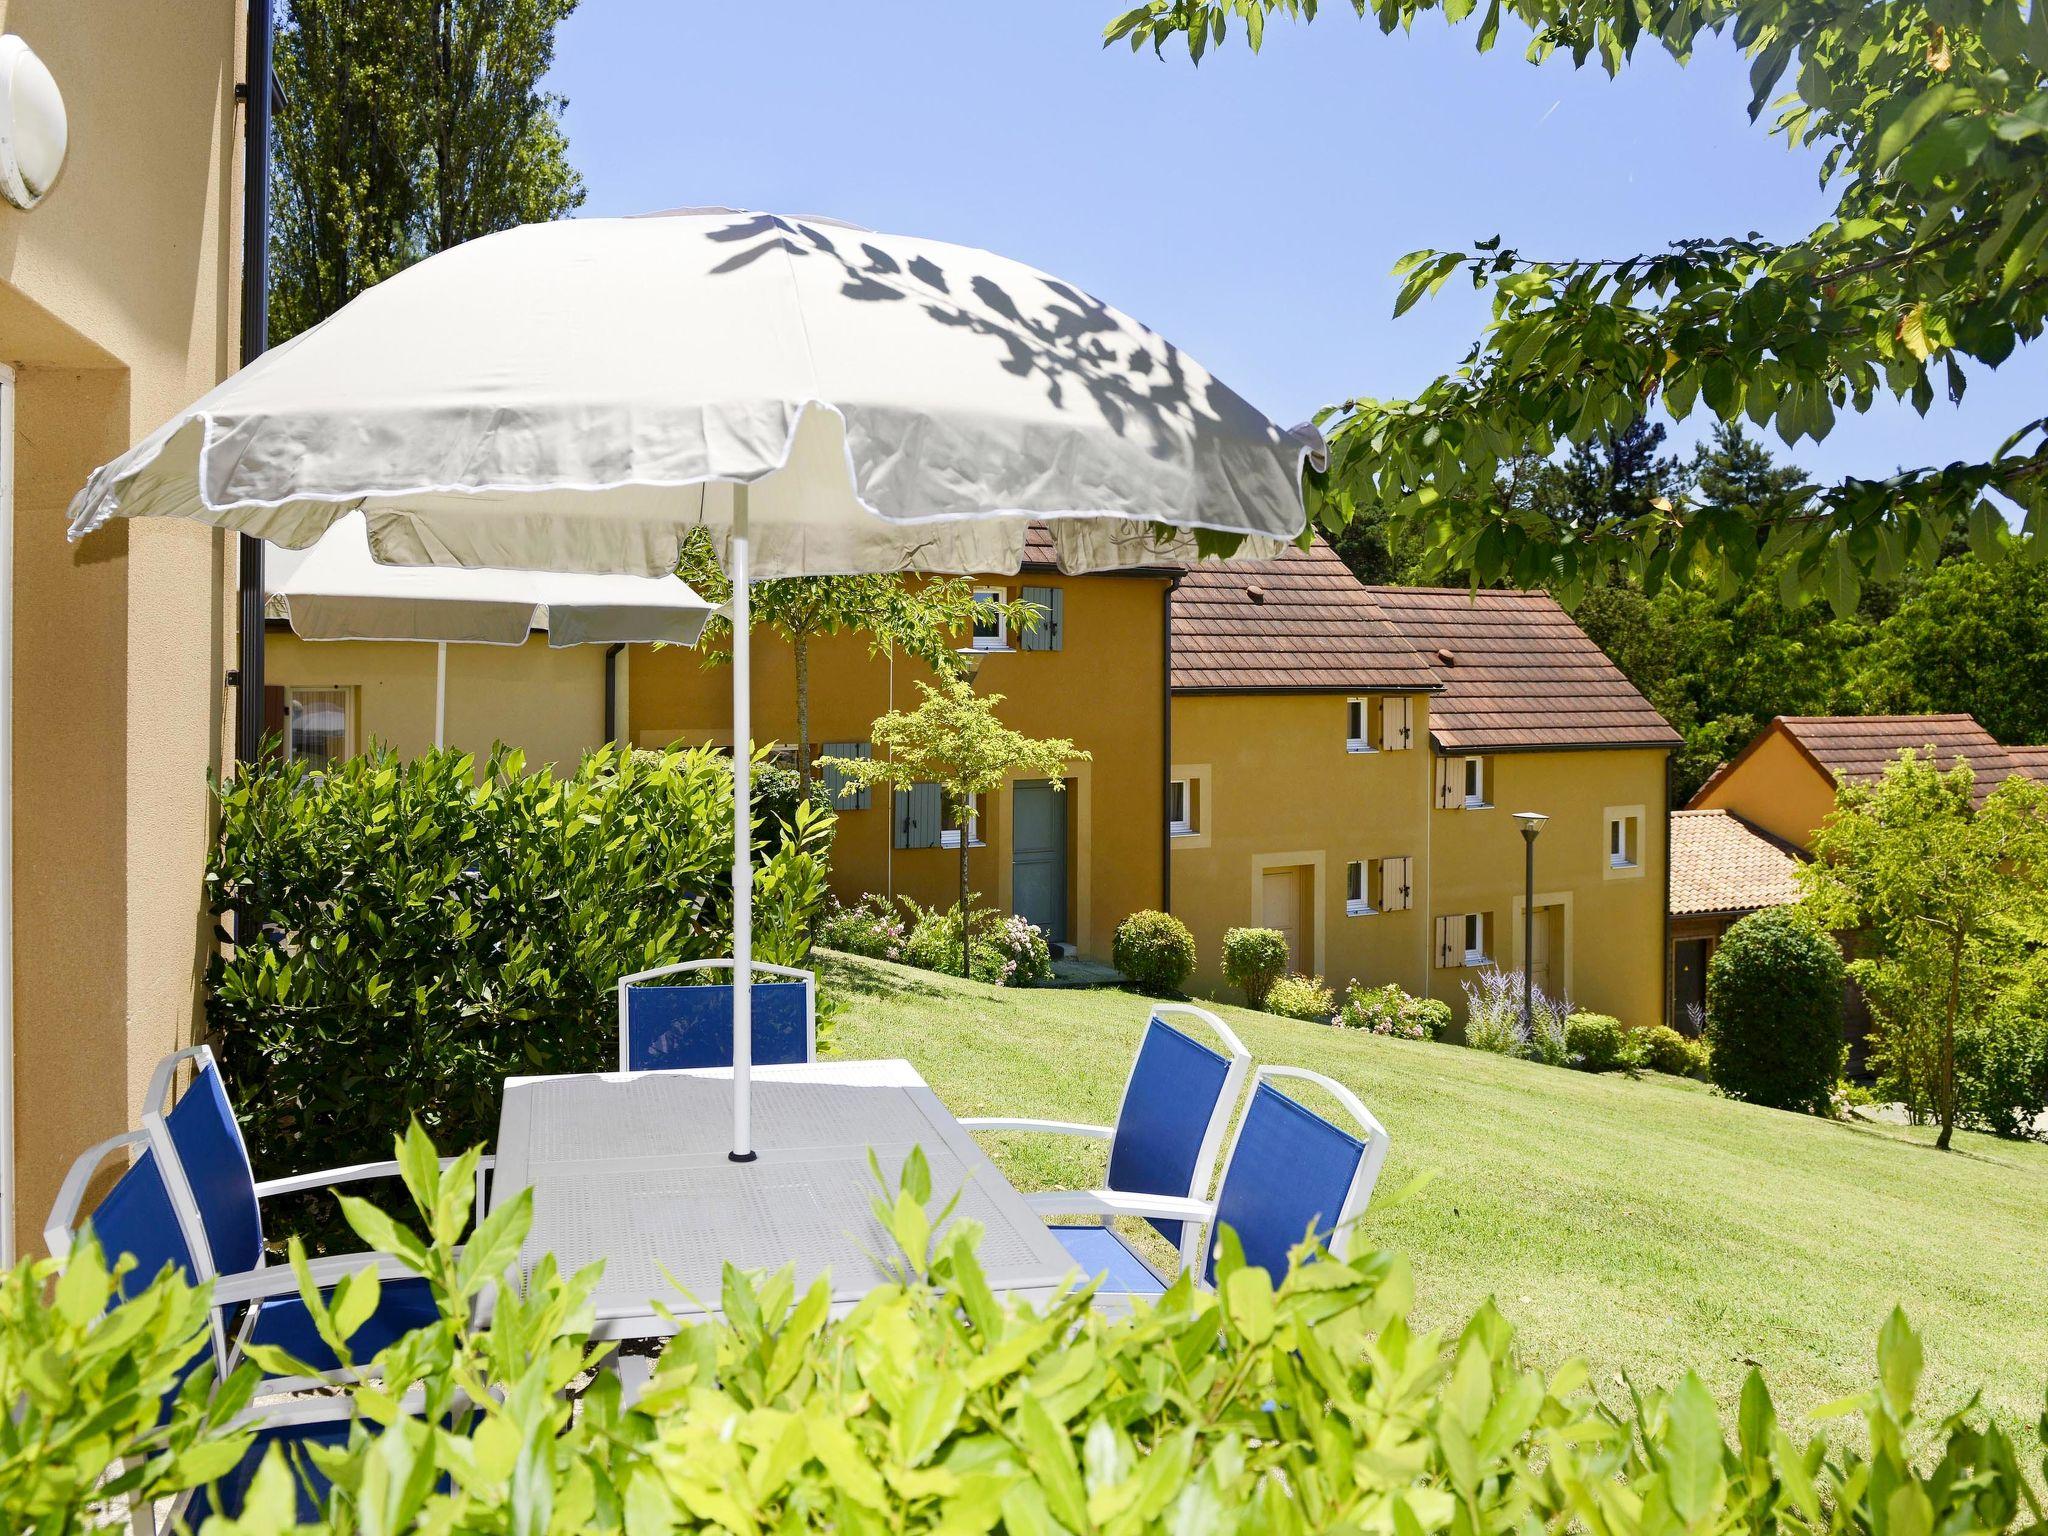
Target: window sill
<point>1180,829</point>
<point>1360,748</point>
<point>1360,909</point>
<point>954,845</point>
<point>983,649</point>
<point>1477,958</point>
<point>1476,805</point>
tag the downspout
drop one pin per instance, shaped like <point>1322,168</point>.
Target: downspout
<point>1670,1003</point>
<point>1166,747</point>
<point>258,90</point>
<point>611,692</point>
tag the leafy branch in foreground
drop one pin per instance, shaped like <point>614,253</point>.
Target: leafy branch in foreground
<point>1932,120</point>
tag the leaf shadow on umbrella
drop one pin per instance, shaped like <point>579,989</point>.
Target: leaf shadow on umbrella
<point>1068,339</point>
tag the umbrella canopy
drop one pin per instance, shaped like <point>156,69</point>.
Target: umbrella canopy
<point>339,592</point>
<point>821,398</point>
<point>575,396</point>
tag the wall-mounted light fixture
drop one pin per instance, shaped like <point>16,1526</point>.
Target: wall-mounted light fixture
<point>33,132</point>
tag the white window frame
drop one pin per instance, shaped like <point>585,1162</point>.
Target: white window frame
<point>998,598</point>
<point>949,837</point>
<point>1476,768</point>
<point>1474,938</point>
<point>1186,823</point>
<point>1358,714</point>
<point>293,691</point>
<point>1358,879</point>
<point>1630,823</point>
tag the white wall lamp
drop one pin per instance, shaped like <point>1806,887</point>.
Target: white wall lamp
<point>33,131</point>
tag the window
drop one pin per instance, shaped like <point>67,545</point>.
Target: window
<point>316,725</point>
<point>1187,806</point>
<point>1464,939</point>
<point>1180,808</point>
<point>949,831</point>
<point>991,623</point>
<point>1475,783</point>
<point>1624,840</point>
<point>1357,897</point>
<point>1357,712</point>
<point>1475,926</point>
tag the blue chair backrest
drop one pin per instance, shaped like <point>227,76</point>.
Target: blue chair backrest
<point>137,1217</point>
<point>1290,1170</point>
<point>1168,1104</point>
<point>209,1146</point>
<point>673,1028</point>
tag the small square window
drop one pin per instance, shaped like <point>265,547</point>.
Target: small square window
<point>1357,890</point>
<point>1475,783</point>
<point>1357,726</point>
<point>949,831</point>
<point>1180,808</point>
<point>1475,938</point>
<point>316,725</point>
<point>1624,840</point>
<point>991,623</point>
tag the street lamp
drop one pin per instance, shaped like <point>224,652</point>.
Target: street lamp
<point>1532,823</point>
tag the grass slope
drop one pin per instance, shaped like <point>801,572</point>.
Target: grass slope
<point>1644,1225</point>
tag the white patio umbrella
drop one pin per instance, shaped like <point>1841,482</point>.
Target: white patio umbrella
<point>339,592</point>
<point>823,399</point>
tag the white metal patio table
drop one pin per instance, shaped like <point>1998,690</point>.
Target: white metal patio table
<point>632,1168</point>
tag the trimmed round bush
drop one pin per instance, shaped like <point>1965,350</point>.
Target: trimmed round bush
<point>1301,997</point>
<point>1595,1042</point>
<point>1253,959</point>
<point>1388,1010</point>
<point>1660,1048</point>
<point>1774,1011</point>
<point>1154,950</point>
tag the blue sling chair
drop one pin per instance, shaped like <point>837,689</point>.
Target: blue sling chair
<point>676,1028</point>
<point>1289,1171</point>
<point>143,1215</point>
<point>1169,1125</point>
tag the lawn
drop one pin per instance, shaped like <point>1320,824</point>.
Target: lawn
<point>1646,1225</point>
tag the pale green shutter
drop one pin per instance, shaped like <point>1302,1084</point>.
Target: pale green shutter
<point>836,782</point>
<point>1051,604</point>
<point>917,816</point>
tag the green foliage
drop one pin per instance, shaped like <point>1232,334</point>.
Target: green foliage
<point>406,129</point>
<point>85,1389</point>
<point>1005,950</point>
<point>1661,1048</point>
<point>1931,122</point>
<point>1774,1011</point>
<point>1301,997</point>
<point>1155,952</point>
<point>1948,896</point>
<point>1973,637</point>
<point>411,934</point>
<point>868,928</point>
<point>2002,1072</point>
<point>1253,959</point>
<point>1596,1042</point>
<point>1291,1405</point>
<point>1387,1010</point>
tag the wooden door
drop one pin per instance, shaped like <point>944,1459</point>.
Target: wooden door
<point>1280,908</point>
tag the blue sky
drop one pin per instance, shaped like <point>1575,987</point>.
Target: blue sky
<point>1250,209</point>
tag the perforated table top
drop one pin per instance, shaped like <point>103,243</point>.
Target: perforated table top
<point>631,1168</point>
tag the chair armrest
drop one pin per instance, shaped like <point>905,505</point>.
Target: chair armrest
<point>1051,1127</point>
<point>276,1280</point>
<point>353,1173</point>
<point>1116,1202</point>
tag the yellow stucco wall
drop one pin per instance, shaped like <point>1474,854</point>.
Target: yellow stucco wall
<point>1105,689</point>
<point>1277,789</point>
<point>1777,787</point>
<point>1607,929</point>
<point>117,307</point>
<point>548,703</point>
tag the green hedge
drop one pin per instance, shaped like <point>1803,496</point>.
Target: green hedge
<point>1297,1405</point>
<point>1155,951</point>
<point>1774,1011</point>
<point>412,933</point>
<point>1253,959</point>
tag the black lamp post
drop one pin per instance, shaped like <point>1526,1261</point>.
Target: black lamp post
<point>1532,823</point>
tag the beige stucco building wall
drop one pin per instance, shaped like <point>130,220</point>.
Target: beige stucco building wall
<point>547,702</point>
<point>1775,786</point>
<point>118,300</point>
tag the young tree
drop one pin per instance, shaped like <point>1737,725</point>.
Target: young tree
<point>925,620</point>
<point>1933,122</point>
<point>408,126</point>
<point>1948,896</point>
<point>954,740</point>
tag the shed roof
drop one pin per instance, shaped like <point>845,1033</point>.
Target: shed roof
<point>1518,674</point>
<point>1722,866</point>
<point>1299,624</point>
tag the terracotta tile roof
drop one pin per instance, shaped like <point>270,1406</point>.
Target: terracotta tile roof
<point>1857,747</point>
<point>1518,674</point>
<point>1302,623</point>
<point>2032,761</point>
<point>1722,866</point>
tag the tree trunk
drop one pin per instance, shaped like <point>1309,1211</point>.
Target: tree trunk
<point>965,821</point>
<point>1945,1071</point>
<point>800,643</point>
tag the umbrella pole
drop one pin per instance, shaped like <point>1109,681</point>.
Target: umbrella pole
<point>742,845</point>
<point>440,695</point>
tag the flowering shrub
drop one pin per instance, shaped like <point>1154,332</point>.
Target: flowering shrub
<point>1026,957</point>
<point>1006,951</point>
<point>1493,1013</point>
<point>1301,997</point>
<point>866,928</point>
<point>1388,1010</point>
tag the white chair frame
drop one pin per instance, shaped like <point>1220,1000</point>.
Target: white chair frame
<point>1212,1137</point>
<point>1108,1202</point>
<point>808,978</point>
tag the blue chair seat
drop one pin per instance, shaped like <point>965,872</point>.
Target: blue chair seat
<point>1099,1251</point>
<point>402,1306</point>
<point>227,1496</point>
